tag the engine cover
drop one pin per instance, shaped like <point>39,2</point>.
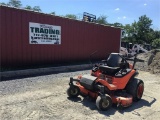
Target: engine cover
<point>87,81</point>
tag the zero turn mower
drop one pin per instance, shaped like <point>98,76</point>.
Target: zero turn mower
<point>111,82</point>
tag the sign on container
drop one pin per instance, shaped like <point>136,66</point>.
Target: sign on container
<point>44,33</point>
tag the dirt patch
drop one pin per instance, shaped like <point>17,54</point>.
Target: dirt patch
<point>151,62</point>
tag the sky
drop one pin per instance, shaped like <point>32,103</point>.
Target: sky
<point>122,11</point>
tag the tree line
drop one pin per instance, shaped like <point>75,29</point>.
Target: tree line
<point>139,32</point>
<point>17,3</point>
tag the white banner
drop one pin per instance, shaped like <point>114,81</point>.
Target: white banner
<point>44,34</point>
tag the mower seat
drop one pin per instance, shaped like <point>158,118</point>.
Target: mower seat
<point>113,64</point>
<point>109,70</point>
<point>114,60</point>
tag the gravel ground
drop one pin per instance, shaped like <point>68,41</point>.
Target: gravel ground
<point>45,98</point>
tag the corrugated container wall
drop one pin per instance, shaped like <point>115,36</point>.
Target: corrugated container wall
<point>78,39</point>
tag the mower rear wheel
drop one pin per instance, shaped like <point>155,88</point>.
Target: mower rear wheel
<point>136,88</point>
<point>103,102</point>
<point>73,91</point>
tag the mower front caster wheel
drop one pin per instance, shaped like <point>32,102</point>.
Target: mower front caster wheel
<point>73,91</point>
<point>103,102</point>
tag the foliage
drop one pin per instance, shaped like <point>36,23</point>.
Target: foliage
<point>116,24</point>
<point>17,3</point>
<point>37,8</point>
<point>72,16</point>
<point>102,19</point>
<point>156,43</point>
<point>2,3</point>
<point>52,13</point>
<point>140,32</point>
<point>14,3</point>
<point>28,7</point>
<point>143,30</point>
<point>156,34</point>
<point>130,33</point>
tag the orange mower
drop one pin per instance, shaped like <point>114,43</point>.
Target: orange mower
<point>112,81</point>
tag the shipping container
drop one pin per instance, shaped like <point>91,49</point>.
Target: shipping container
<point>34,38</point>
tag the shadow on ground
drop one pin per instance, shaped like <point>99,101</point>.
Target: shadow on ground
<point>90,103</point>
<point>42,73</point>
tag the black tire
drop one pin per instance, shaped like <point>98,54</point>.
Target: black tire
<point>103,103</point>
<point>135,88</point>
<point>73,91</point>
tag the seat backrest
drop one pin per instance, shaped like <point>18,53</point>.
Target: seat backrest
<point>113,60</point>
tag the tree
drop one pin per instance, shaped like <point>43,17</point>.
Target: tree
<point>2,3</point>
<point>72,16</point>
<point>15,3</point>
<point>143,29</point>
<point>140,32</point>
<point>156,43</point>
<point>130,32</point>
<point>127,36</point>
<point>37,8</point>
<point>102,19</point>
<point>116,24</point>
<point>52,13</point>
<point>28,7</point>
<point>157,34</point>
